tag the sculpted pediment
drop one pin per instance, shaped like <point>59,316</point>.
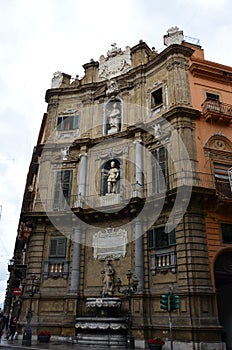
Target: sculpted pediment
<point>115,63</point>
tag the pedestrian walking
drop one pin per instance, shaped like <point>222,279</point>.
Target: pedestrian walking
<point>12,329</point>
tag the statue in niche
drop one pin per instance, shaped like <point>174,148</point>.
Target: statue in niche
<point>113,116</point>
<point>108,280</point>
<point>112,178</point>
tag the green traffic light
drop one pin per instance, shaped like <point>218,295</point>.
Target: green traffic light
<point>165,302</point>
<point>174,302</point>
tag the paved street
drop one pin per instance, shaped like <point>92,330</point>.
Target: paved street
<point>52,345</point>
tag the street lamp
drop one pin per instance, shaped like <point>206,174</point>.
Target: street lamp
<point>35,282</point>
<point>129,291</point>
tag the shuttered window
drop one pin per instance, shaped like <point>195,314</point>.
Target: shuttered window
<point>57,248</point>
<point>62,190</point>
<point>158,238</point>
<point>159,170</point>
<point>65,123</point>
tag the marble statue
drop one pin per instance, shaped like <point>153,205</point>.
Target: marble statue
<point>114,118</point>
<point>112,178</point>
<point>108,280</point>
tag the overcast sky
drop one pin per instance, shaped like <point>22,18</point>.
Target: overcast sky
<point>39,37</point>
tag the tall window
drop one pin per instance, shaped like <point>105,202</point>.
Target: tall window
<point>223,177</point>
<point>158,238</point>
<point>226,230</point>
<point>157,97</point>
<point>57,248</point>
<point>62,191</point>
<point>159,170</point>
<point>65,123</point>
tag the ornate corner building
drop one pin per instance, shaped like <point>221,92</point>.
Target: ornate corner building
<point>132,170</point>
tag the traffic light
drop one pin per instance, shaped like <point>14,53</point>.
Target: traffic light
<point>8,300</point>
<point>174,302</point>
<point>165,302</point>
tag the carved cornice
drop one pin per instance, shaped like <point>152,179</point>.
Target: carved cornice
<point>211,71</point>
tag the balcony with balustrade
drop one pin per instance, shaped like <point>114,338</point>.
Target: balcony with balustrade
<point>217,111</point>
<point>134,193</point>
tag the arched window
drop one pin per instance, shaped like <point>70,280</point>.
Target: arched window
<point>110,177</point>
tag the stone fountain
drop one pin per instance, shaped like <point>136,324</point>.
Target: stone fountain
<point>103,326</point>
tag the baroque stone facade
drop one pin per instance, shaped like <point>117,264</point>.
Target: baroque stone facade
<point>116,177</point>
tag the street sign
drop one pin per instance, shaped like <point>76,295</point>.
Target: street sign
<point>17,292</point>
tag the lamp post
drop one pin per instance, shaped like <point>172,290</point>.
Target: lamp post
<point>129,291</point>
<point>35,282</point>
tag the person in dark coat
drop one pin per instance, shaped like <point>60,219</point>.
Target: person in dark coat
<point>12,329</point>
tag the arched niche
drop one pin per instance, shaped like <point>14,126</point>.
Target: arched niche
<point>111,176</point>
<point>112,122</point>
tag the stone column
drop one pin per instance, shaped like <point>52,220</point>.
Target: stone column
<point>82,177</point>
<point>76,260</point>
<point>139,254</point>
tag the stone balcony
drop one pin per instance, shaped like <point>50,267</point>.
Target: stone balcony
<point>134,192</point>
<point>217,111</point>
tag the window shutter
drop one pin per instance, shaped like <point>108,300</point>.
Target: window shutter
<point>57,248</point>
<point>76,122</point>
<point>150,238</point>
<point>57,190</point>
<point>61,247</point>
<point>66,184</point>
<point>159,170</point>
<point>230,177</point>
<point>59,123</point>
<point>53,245</point>
<point>63,187</point>
<point>172,237</point>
